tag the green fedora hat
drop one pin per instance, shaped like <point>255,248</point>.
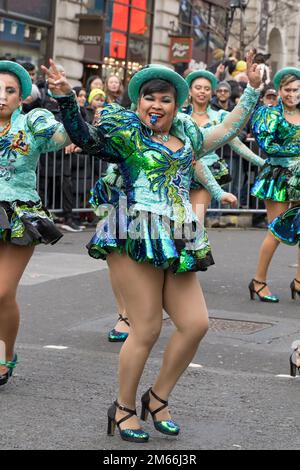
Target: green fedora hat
<point>202,74</point>
<point>153,71</point>
<point>286,71</point>
<point>21,74</point>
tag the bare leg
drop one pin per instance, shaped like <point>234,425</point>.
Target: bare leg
<point>13,261</point>
<point>120,325</point>
<point>200,199</point>
<point>141,286</point>
<point>269,245</point>
<point>185,303</point>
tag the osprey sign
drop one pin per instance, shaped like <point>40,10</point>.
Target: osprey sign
<point>90,30</point>
<point>181,49</point>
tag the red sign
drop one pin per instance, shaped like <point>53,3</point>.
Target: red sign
<point>181,49</point>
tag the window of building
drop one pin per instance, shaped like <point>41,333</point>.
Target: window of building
<point>205,21</point>
<point>128,31</point>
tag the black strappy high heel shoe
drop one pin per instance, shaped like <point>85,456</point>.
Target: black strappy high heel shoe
<point>131,435</point>
<point>295,359</point>
<point>262,298</point>
<point>115,336</point>
<point>294,291</point>
<point>168,427</point>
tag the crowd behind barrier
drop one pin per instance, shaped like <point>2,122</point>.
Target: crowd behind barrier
<point>80,172</point>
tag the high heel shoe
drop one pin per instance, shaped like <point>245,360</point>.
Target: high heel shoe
<point>262,298</point>
<point>295,359</point>
<point>294,291</point>
<point>4,378</point>
<point>131,435</point>
<point>168,427</point>
<point>115,336</point>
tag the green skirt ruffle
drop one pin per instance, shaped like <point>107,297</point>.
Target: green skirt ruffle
<point>27,224</point>
<point>280,184</point>
<point>145,236</point>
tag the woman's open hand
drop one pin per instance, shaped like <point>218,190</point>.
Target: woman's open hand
<point>228,198</point>
<point>253,72</point>
<point>57,82</point>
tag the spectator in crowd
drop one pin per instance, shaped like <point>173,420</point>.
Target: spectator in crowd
<point>269,95</point>
<point>222,98</point>
<point>94,82</point>
<point>34,100</point>
<point>113,89</point>
<point>81,100</point>
<point>96,100</point>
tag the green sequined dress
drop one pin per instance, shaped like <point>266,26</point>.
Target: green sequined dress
<point>279,179</point>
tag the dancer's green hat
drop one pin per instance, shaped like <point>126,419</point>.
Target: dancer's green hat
<point>21,74</point>
<point>286,71</point>
<point>154,71</point>
<point>202,74</point>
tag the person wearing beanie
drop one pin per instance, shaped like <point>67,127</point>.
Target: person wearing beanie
<point>96,101</point>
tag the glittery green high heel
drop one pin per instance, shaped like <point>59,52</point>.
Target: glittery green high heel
<point>168,427</point>
<point>115,336</point>
<point>131,435</point>
<point>262,298</point>
<point>10,367</point>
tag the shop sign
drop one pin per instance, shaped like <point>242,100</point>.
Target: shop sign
<point>181,49</point>
<point>91,30</point>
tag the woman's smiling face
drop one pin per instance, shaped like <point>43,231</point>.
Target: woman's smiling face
<point>160,106</point>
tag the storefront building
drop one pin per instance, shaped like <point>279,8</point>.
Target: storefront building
<point>127,31</point>
<point>26,30</point>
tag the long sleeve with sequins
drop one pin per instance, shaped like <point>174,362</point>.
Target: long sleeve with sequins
<point>275,136</point>
<point>89,138</point>
<point>241,149</point>
<point>217,136</point>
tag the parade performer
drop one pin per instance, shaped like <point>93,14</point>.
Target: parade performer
<point>24,222</point>
<point>277,132</point>
<point>158,244</point>
<point>202,83</point>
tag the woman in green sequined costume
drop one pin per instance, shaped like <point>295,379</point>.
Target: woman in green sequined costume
<point>24,222</point>
<point>277,131</point>
<point>154,151</point>
<point>202,83</point>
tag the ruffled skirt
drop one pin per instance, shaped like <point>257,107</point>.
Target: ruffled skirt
<point>286,227</point>
<point>27,224</point>
<point>220,172</point>
<point>278,183</point>
<point>145,236</point>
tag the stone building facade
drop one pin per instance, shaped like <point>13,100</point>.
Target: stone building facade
<point>272,26</point>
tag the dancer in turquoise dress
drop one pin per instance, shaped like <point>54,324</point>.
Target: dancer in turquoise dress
<point>154,242</point>
<point>24,222</point>
<point>202,83</point>
<point>277,132</point>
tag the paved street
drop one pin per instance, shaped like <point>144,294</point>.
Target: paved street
<point>236,394</point>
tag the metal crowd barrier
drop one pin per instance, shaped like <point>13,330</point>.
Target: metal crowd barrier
<point>61,175</point>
